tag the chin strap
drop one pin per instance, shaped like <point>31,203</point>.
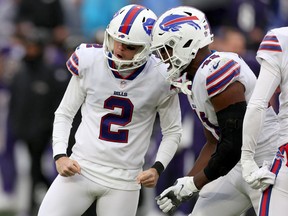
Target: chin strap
<point>184,86</point>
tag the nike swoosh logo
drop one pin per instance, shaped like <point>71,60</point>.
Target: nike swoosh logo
<point>216,65</point>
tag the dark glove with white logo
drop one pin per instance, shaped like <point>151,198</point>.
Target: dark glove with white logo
<point>182,190</point>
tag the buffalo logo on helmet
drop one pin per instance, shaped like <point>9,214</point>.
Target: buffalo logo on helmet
<point>173,22</point>
<point>148,25</point>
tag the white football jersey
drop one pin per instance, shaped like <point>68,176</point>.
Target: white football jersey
<point>274,49</point>
<point>118,115</point>
<point>217,72</point>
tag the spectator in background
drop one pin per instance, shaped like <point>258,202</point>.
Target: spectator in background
<point>34,93</point>
<point>44,15</point>
<point>251,17</point>
<point>48,18</point>
<point>215,10</point>
<point>8,175</point>
<point>7,14</point>
<point>72,16</point>
<point>279,13</point>
<point>10,53</point>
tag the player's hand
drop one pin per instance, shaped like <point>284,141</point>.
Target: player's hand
<point>148,178</point>
<point>172,197</point>
<point>67,167</point>
<point>266,177</point>
<point>258,178</point>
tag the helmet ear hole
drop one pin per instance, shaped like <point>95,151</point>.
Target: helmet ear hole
<point>188,43</point>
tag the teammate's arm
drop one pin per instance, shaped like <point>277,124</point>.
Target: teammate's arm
<point>205,154</point>
<point>268,81</point>
<point>230,106</point>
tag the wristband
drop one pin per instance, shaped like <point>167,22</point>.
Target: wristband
<point>159,167</point>
<point>59,156</point>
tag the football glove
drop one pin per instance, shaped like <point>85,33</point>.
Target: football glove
<point>182,190</point>
<point>258,178</point>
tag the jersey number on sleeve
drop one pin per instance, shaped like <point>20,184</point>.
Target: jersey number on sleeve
<point>109,120</point>
<point>205,121</point>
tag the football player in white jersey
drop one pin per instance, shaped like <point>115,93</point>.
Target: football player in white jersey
<point>218,85</point>
<point>273,57</point>
<point>119,92</point>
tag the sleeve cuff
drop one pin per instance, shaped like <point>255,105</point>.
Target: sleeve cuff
<point>59,148</point>
<point>159,167</point>
<point>59,156</point>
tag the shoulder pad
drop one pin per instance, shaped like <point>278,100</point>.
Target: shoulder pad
<point>222,72</point>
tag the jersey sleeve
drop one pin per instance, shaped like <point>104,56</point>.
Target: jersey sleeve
<point>270,49</point>
<point>72,63</point>
<point>64,115</point>
<point>171,128</point>
<point>254,119</point>
<point>223,72</point>
<point>82,58</point>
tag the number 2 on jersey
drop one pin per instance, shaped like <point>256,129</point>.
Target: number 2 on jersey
<point>124,118</point>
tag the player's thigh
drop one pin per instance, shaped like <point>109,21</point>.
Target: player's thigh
<point>276,205</point>
<point>220,198</point>
<point>118,202</point>
<point>67,196</point>
<point>254,196</point>
<point>275,199</point>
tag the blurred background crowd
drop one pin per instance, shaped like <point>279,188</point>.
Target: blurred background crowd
<point>36,39</point>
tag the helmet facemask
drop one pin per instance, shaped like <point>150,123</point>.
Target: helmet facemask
<point>138,60</point>
<point>168,55</point>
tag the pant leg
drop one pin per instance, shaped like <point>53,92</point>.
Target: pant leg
<point>118,202</point>
<point>274,200</point>
<point>67,196</point>
<point>224,196</point>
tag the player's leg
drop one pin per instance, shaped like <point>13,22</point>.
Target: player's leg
<point>118,202</point>
<point>223,197</point>
<point>67,196</point>
<point>274,200</point>
<point>254,196</point>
